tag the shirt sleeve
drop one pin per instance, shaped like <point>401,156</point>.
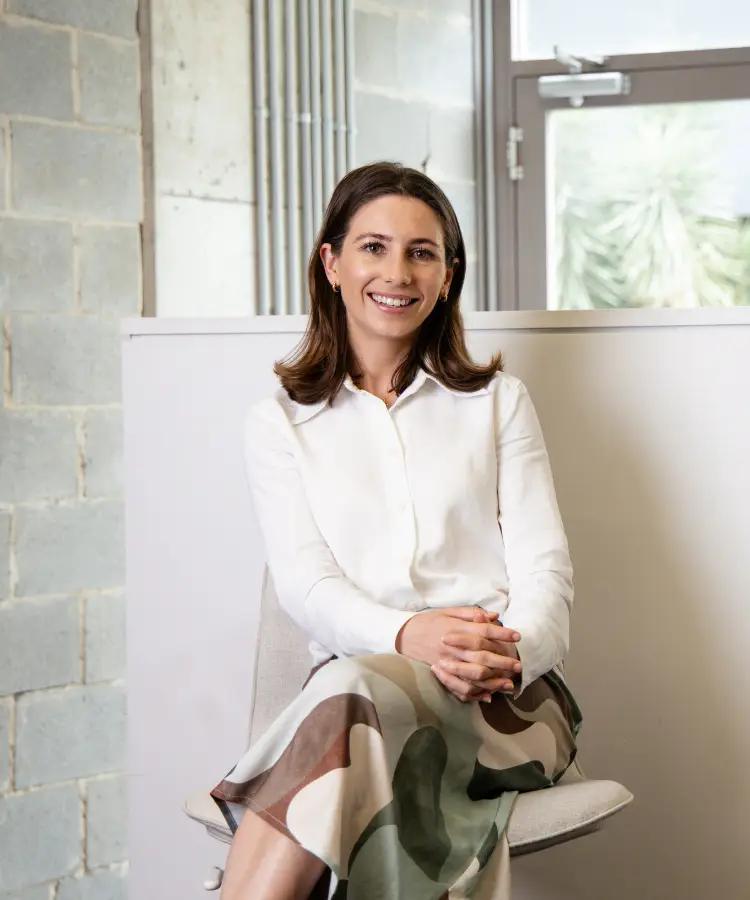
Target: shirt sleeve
<point>309,584</point>
<point>540,573</point>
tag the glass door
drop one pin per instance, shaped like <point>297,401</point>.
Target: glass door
<point>639,199</point>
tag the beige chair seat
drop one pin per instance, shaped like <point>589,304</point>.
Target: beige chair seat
<point>573,807</point>
<point>540,818</point>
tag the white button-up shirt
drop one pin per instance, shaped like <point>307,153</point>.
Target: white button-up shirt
<point>371,514</point>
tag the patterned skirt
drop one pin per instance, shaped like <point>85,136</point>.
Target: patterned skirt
<point>399,788</point>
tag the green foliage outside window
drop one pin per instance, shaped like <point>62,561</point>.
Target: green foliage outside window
<point>643,217</point>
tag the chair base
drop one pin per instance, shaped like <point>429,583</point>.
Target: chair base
<point>214,878</point>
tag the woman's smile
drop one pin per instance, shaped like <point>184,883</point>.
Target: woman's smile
<point>393,303</point>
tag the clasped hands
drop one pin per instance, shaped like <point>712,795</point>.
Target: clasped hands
<point>469,653</point>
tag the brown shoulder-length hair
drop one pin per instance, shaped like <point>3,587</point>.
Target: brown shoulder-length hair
<point>317,369</point>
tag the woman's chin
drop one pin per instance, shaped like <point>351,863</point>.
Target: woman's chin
<point>394,324</point>
<point>393,327</point>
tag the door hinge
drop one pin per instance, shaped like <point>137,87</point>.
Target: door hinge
<point>515,136</point>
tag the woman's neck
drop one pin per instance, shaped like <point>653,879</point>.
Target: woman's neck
<point>377,362</point>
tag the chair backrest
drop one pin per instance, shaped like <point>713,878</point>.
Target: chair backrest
<point>282,661</point>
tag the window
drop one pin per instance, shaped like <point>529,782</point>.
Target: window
<point>633,190</point>
<point>649,206</point>
<point>638,26</point>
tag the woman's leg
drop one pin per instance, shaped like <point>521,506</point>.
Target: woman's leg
<point>494,882</point>
<point>373,741</point>
<point>265,864</point>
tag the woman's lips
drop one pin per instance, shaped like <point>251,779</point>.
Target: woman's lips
<point>396,304</point>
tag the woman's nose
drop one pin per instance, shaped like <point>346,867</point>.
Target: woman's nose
<point>399,271</point>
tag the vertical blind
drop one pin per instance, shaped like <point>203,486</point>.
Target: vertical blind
<point>303,98</point>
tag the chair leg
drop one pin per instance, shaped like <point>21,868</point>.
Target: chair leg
<point>214,879</point>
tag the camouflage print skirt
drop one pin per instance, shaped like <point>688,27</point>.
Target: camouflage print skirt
<point>399,788</point>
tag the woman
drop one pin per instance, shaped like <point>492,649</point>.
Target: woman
<point>410,521</point>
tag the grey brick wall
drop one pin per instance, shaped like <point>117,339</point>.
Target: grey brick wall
<point>41,835</point>
<point>70,267</point>
<point>42,282</point>
<point>414,98</point>
<point>3,167</point>
<point>4,745</point>
<point>69,733</point>
<point>40,892</point>
<point>60,170</point>
<point>107,832</point>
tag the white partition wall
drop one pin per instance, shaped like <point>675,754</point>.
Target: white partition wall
<point>649,433</point>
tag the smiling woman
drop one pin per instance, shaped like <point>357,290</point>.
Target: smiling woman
<point>411,528</point>
<point>389,267</point>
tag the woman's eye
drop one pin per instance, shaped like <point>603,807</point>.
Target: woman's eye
<point>376,248</point>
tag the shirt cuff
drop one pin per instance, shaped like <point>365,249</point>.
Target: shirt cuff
<point>537,651</point>
<point>348,623</point>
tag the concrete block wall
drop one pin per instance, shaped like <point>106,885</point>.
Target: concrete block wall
<point>415,99</point>
<point>70,267</point>
<point>202,96</point>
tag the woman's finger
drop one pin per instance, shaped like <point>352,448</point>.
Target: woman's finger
<point>494,632</point>
<point>467,671</point>
<point>503,685</point>
<point>460,689</point>
<point>487,658</point>
<point>471,614</point>
<point>480,676</point>
<point>469,633</point>
<point>448,683</point>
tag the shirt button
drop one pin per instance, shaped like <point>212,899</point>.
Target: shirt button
<point>413,607</point>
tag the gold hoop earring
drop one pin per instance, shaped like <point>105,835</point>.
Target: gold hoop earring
<point>444,298</point>
<point>336,287</point>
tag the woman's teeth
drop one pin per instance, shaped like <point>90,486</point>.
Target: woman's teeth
<point>391,301</point>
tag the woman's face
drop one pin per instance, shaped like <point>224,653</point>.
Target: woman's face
<point>391,269</point>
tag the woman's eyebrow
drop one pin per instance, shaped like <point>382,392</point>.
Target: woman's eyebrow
<point>373,234</point>
<point>387,238</point>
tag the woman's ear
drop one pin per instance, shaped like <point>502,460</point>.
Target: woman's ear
<point>330,263</point>
<point>449,273</point>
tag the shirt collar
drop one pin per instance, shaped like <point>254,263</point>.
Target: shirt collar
<point>300,413</point>
<point>420,379</point>
<point>478,393</point>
